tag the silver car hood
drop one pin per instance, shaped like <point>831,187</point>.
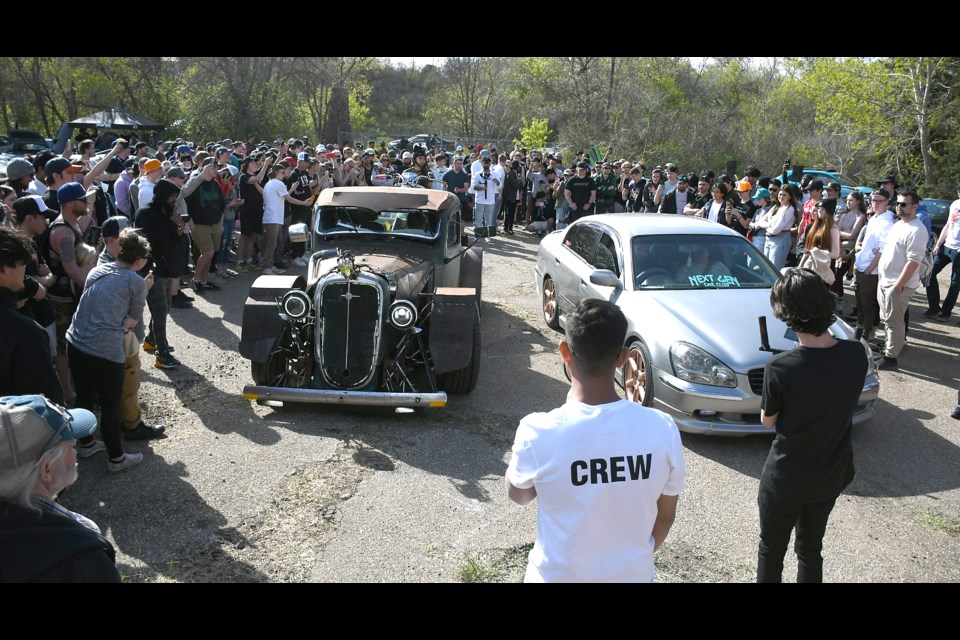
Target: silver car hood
<point>724,322</point>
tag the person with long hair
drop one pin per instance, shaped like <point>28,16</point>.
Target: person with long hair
<point>849,222</point>
<point>252,174</point>
<point>758,235</point>
<point>777,225</point>
<point>824,232</point>
<point>713,210</point>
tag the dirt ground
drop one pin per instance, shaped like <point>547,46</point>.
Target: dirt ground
<point>242,493</point>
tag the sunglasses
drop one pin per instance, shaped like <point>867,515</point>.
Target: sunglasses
<point>904,204</point>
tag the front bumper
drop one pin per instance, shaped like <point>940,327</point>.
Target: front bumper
<point>366,398</point>
<point>711,410</point>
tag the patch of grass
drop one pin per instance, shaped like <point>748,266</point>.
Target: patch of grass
<point>502,565</point>
<point>940,522</point>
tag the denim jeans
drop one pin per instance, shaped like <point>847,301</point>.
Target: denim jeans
<point>777,520</point>
<point>226,243</point>
<point>940,261</point>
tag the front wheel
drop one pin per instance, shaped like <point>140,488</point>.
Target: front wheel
<point>636,375</point>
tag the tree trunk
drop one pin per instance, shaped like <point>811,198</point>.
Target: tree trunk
<point>338,116</point>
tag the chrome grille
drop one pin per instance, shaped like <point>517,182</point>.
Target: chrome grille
<point>349,332</point>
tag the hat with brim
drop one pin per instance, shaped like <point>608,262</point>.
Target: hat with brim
<point>70,192</point>
<point>31,425</point>
<point>29,205</point>
<point>18,168</point>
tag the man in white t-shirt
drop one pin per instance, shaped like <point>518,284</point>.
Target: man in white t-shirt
<point>899,262</point>
<point>275,193</point>
<point>607,473</point>
<point>867,259</point>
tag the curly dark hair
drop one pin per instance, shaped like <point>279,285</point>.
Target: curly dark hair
<point>802,300</point>
<point>15,247</point>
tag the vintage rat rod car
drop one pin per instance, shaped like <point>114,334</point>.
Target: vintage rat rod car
<point>389,312</point>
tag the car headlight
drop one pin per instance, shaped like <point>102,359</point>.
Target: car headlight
<point>693,364</point>
<point>295,304</point>
<point>402,315</point>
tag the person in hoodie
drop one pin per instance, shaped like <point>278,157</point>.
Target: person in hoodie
<point>113,299</point>
<point>163,227</point>
<point>41,540</point>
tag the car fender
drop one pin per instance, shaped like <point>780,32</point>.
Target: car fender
<point>451,328</point>
<point>261,316</point>
<point>471,269</point>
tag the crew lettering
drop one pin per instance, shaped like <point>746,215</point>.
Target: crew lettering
<point>602,471</point>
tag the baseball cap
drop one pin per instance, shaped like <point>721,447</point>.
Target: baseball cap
<point>152,165</point>
<point>407,154</point>
<point>233,170</point>
<point>290,161</point>
<point>28,205</point>
<point>303,156</point>
<point>19,167</point>
<point>226,142</point>
<point>567,173</point>
<point>70,192</point>
<point>112,227</point>
<point>184,148</point>
<point>459,147</point>
<point>582,165</point>
<point>830,204</point>
<point>31,425</point>
<point>484,152</point>
<point>140,145</point>
<point>887,178</point>
<point>883,193</point>
<point>56,165</point>
<point>681,178</point>
<point>670,167</point>
<point>763,193</point>
<point>176,172</point>
<point>743,185</point>
<point>834,185</point>
<point>815,185</point>
<point>391,154</point>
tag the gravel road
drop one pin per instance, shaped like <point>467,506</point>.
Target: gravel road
<point>239,492</point>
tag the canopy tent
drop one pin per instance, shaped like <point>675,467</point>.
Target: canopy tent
<point>116,119</point>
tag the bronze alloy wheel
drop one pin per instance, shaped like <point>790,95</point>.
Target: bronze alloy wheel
<point>637,384</point>
<point>551,313</point>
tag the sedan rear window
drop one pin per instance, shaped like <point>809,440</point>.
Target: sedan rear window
<point>699,262</point>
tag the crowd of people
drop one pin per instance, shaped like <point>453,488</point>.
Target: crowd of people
<point>88,242</point>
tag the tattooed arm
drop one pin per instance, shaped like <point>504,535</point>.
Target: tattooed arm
<point>68,255</point>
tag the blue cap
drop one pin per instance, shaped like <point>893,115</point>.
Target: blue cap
<point>70,192</point>
<point>31,425</point>
<point>484,152</point>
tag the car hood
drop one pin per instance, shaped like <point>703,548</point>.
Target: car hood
<point>410,271</point>
<point>723,322</point>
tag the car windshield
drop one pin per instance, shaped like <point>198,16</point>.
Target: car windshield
<point>418,224</point>
<point>699,262</point>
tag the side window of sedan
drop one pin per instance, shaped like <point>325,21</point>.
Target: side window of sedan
<point>584,242</point>
<point>606,255</point>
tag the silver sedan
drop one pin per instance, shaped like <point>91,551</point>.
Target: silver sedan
<point>695,295</point>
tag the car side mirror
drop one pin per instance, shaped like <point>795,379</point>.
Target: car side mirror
<point>605,278</point>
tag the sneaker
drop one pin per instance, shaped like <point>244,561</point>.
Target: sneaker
<point>300,262</point>
<point>276,271</point>
<point>888,364</point>
<point>183,296</point>
<point>943,317</point>
<point>86,452</point>
<point>209,286</point>
<point>269,272</point>
<point>144,431</point>
<point>129,460</point>
<point>181,303</point>
<point>166,361</point>
<point>198,286</point>
<point>930,313</point>
<point>149,346</point>
<point>955,414</point>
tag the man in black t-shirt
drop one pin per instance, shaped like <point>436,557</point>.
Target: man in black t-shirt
<point>458,181</point>
<point>305,184</point>
<point>809,395</point>
<point>581,192</point>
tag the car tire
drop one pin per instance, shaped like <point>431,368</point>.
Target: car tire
<point>263,376</point>
<point>464,380</point>
<point>548,300</point>
<point>636,376</point>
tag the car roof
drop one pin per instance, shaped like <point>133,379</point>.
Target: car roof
<point>385,198</point>
<point>635,224</point>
